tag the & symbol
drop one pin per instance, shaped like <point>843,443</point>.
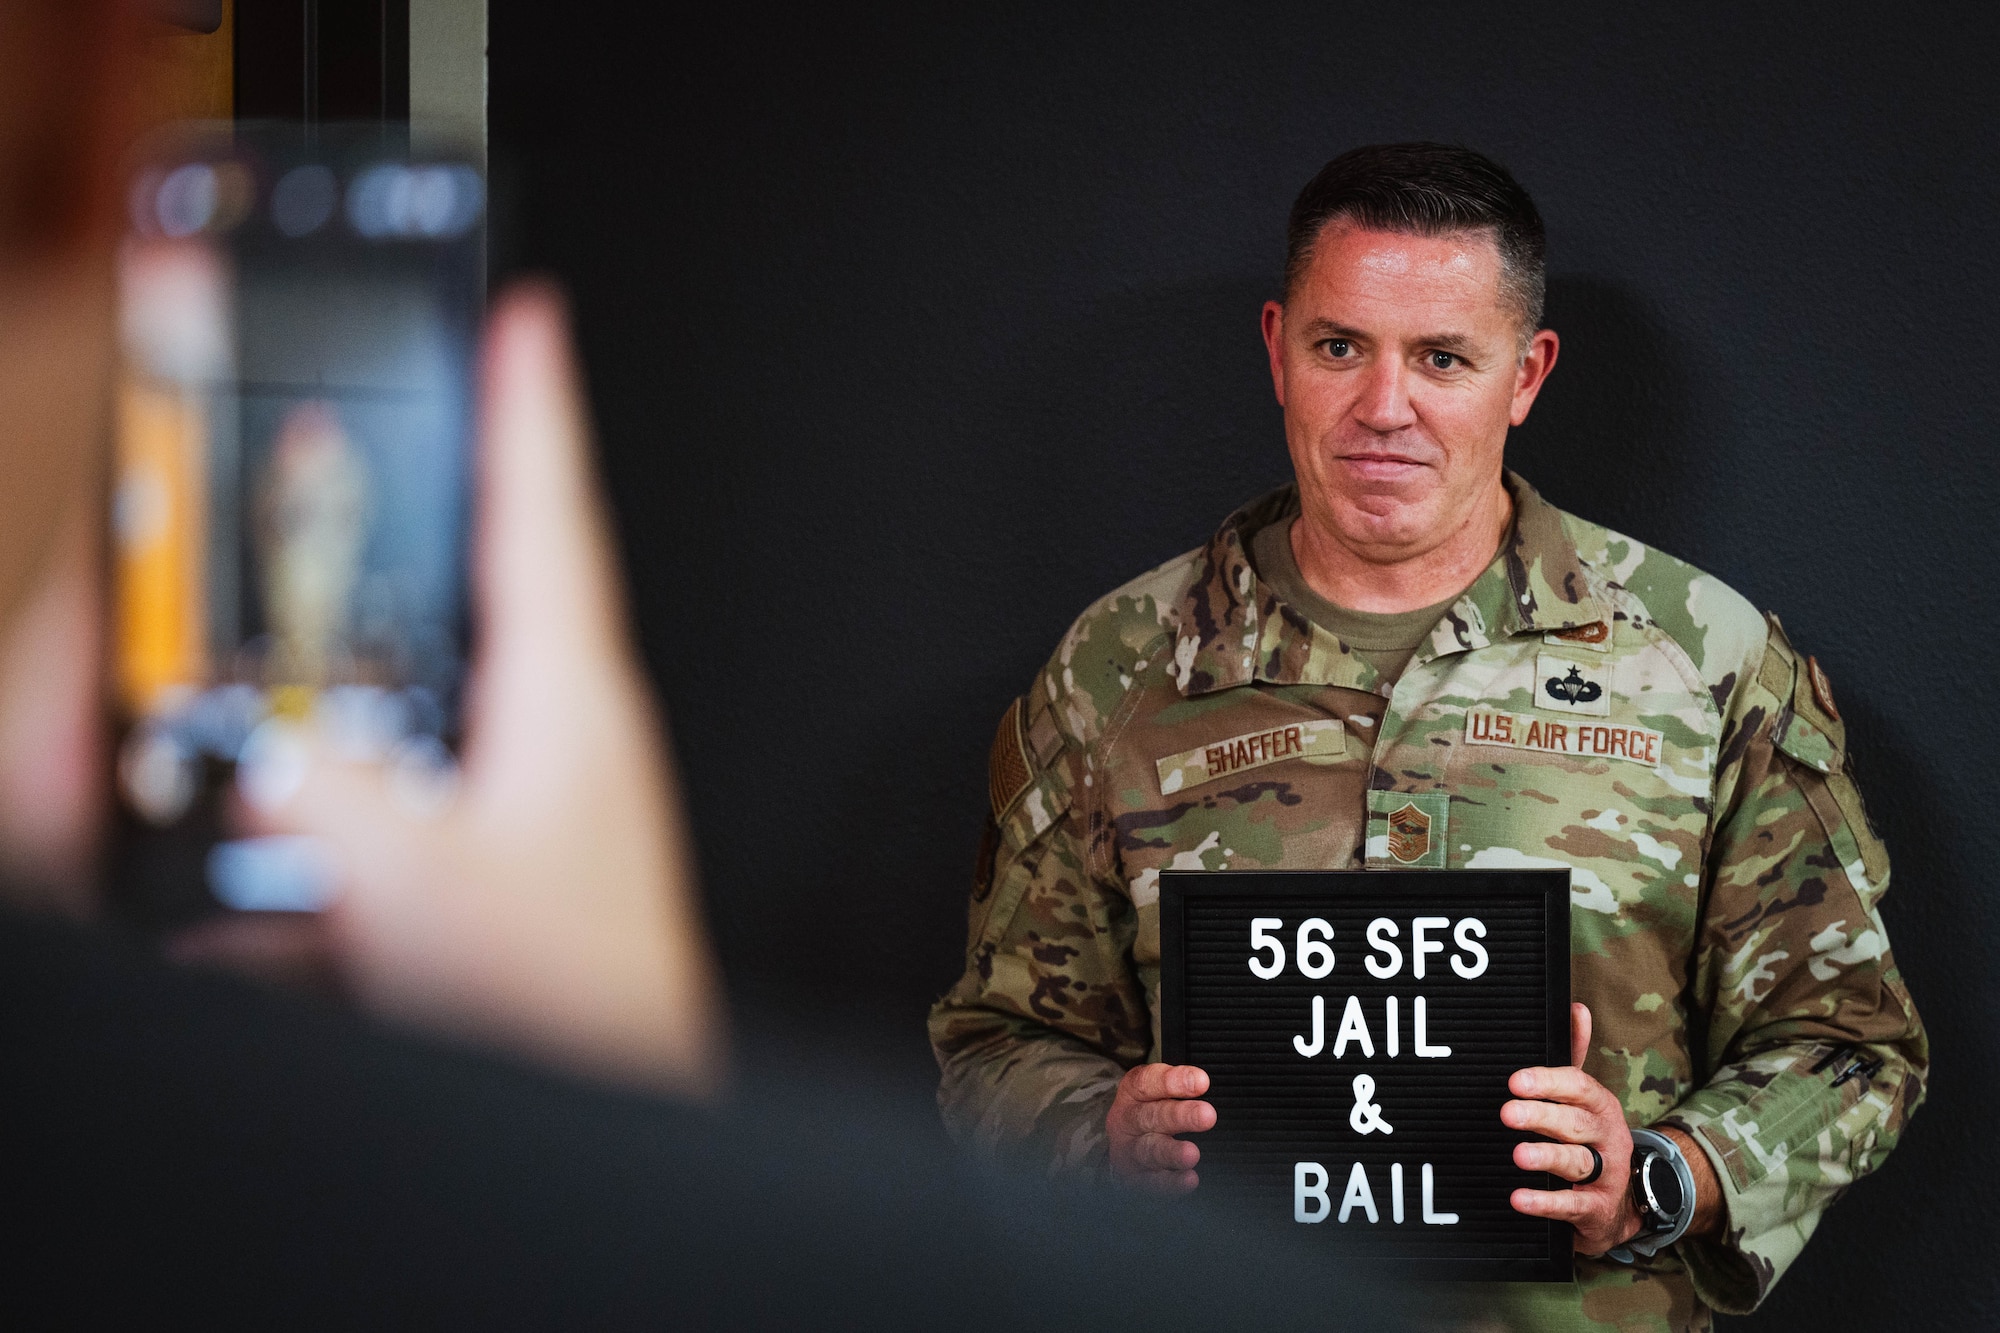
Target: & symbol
<point>1366,1117</point>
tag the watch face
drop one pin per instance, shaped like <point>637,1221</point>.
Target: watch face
<point>1662,1185</point>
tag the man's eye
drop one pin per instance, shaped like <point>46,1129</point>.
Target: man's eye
<point>1442,360</point>
<point>1337,347</point>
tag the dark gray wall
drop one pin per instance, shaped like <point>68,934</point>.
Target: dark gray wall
<point>909,338</point>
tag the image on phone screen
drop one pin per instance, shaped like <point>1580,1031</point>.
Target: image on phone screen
<point>289,507</point>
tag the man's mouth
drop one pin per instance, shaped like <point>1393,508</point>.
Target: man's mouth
<point>1381,466</point>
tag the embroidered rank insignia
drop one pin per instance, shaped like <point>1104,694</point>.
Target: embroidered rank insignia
<point>1563,686</point>
<point>1822,689</point>
<point>1595,635</point>
<point>1587,740</point>
<point>1322,741</point>
<point>1408,828</point>
<point>1409,833</point>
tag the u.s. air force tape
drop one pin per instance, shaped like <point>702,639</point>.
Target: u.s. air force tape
<point>1590,740</point>
<point>1323,741</point>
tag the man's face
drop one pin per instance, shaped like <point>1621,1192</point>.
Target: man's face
<point>1399,367</point>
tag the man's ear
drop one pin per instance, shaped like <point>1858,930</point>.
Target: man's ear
<point>1533,373</point>
<point>1274,344</point>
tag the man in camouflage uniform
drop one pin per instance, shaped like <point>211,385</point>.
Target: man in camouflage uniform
<point>1411,659</point>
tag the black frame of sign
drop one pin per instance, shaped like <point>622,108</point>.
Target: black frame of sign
<point>1550,887</point>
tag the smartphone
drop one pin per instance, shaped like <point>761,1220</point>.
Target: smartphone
<point>289,504</point>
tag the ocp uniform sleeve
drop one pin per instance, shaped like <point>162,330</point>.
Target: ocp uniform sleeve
<point>1049,1013</point>
<point>1817,1054</point>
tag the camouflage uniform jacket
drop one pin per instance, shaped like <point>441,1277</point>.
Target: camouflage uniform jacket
<point>1725,882</point>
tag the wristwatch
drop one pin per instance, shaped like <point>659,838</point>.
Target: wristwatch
<point>1663,1191</point>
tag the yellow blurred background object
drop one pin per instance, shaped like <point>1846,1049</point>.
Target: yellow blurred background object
<point>159,559</point>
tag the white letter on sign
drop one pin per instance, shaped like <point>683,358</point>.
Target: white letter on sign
<point>1352,1028</point>
<point>1315,959</point>
<point>1260,938</point>
<point>1419,946</point>
<point>1358,1194</point>
<point>1467,928</point>
<point>1423,1046</point>
<point>1318,1043</point>
<point>1379,931</point>
<point>1434,1218</point>
<point>1316,1191</point>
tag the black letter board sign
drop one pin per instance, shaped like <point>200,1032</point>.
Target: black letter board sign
<point>1358,1029</point>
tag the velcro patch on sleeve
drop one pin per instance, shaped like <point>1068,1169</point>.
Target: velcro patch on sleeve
<point>1323,741</point>
<point>1007,771</point>
<point>1809,731</point>
<point>1585,740</point>
<point>1776,674</point>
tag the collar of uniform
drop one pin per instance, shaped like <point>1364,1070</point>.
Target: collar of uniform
<point>1536,584</point>
<point>1234,629</point>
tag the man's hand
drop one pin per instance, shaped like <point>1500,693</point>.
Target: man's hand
<point>1154,1103</point>
<point>1575,1109</point>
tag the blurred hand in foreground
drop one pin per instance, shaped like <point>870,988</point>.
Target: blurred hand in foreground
<point>543,898</point>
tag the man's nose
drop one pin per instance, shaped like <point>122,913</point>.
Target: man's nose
<point>1384,404</point>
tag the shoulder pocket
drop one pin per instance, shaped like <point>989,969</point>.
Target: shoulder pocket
<point>1811,732</point>
<point>1808,727</point>
<point>1873,855</point>
<point>1028,786</point>
<point>1028,789</point>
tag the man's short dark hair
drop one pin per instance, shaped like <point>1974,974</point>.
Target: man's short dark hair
<point>1427,189</point>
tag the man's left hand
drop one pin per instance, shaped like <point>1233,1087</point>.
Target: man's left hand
<point>1574,1109</point>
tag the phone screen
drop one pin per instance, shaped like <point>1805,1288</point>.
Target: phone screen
<point>289,506</point>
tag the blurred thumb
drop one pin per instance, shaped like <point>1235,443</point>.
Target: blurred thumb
<point>546,575</point>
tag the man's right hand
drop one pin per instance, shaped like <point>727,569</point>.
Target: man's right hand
<point>1154,1103</point>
